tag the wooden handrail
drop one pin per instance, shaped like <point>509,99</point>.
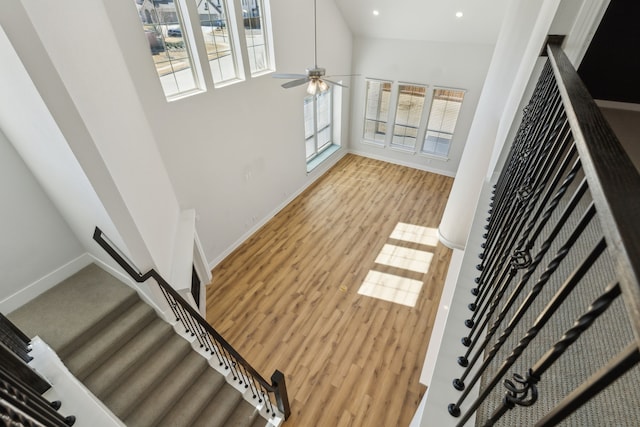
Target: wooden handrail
<point>614,181</point>
<point>277,387</point>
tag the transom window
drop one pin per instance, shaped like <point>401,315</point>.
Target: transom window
<point>409,108</point>
<point>318,123</point>
<point>165,32</point>
<point>445,108</point>
<point>376,110</point>
<point>220,39</point>
<point>253,12</point>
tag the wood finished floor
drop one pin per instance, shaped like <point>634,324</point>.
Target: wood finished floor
<point>288,297</point>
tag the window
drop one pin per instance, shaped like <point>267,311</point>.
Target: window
<point>443,116</point>
<point>219,32</point>
<point>165,33</point>
<point>253,13</point>
<point>376,110</point>
<point>408,115</point>
<point>318,123</point>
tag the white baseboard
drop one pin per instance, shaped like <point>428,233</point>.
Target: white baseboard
<point>317,173</point>
<point>402,163</point>
<point>45,283</point>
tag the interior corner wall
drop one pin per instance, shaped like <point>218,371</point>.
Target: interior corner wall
<point>116,150</point>
<point>236,153</point>
<point>455,65</point>
<point>36,240</point>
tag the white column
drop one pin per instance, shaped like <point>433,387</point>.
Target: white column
<point>523,32</point>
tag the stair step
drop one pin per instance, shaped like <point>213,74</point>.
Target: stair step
<point>136,386</point>
<point>122,363</point>
<point>193,401</point>
<point>107,341</point>
<point>219,408</point>
<point>168,391</point>
<point>92,330</point>
<point>243,416</point>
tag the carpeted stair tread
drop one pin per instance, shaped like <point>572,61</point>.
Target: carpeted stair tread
<point>148,341</point>
<point>168,391</point>
<point>136,386</point>
<point>243,416</point>
<point>71,308</point>
<point>106,342</point>
<point>218,410</point>
<point>192,403</point>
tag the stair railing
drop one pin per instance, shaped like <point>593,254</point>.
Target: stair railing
<point>566,170</point>
<point>272,395</point>
<point>21,387</point>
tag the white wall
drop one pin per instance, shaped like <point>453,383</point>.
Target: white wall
<point>456,65</point>
<point>236,154</point>
<point>70,53</point>
<point>36,240</point>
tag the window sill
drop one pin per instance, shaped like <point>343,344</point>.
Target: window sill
<point>374,143</point>
<point>317,160</point>
<point>434,156</point>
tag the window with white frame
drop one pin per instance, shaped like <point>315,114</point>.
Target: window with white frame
<point>254,16</point>
<point>170,48</point>
<point>443,116</point>
<point>376,111</point>
<point>318,123</point>
<point>409,108</point>
<point>219,31</point>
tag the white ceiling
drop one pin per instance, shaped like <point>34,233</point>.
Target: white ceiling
<point>433,20</point>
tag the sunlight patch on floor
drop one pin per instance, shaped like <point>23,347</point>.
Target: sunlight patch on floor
<point>405,258</point>
<point>395,287</point>
<point>415,233</point>
<point>390,287</point>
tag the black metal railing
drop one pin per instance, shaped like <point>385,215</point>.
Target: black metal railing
<point>272,395</point>
<point>563,226</point>
<point>21,387</point>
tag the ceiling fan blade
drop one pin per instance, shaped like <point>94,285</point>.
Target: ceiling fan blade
<point>295,83</point>
<point>335,83</point>
<point>288,76</point>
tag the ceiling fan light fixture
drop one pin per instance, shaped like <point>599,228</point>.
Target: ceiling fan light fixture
<point>312,88</point>
<point>316,85</point>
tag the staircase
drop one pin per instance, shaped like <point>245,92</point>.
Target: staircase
<point>131,359</point>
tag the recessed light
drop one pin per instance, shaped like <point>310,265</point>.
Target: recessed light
<point>459,14</point>
<point>376,13</point>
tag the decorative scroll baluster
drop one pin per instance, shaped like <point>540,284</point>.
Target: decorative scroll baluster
<point>555,303</point>
<point>515,396</point>
<point>562,132</point>
<point>521,252</point>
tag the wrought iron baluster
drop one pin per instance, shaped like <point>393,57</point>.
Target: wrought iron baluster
<point>617,367</point>
<point>517,396</point>
<point>553,305</point>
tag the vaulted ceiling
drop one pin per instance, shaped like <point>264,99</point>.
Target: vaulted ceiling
<point>431,20</point>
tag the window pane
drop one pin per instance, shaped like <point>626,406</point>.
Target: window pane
<point>408,115</point>
<point>218,32</point>
<point>443,117</point>
<point>253,14</point>
<point>164,31</point>
<point>318,123</point>
<point>308,117</point>
<point>376,110</point>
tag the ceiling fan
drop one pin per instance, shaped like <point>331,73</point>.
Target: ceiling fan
<point>315,76</point>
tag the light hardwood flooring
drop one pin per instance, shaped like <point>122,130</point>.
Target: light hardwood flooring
<point>288,297</point>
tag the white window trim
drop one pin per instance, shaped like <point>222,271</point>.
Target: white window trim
<point>426,123</point>
<point>422,125</point>
<point>390,113</point>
